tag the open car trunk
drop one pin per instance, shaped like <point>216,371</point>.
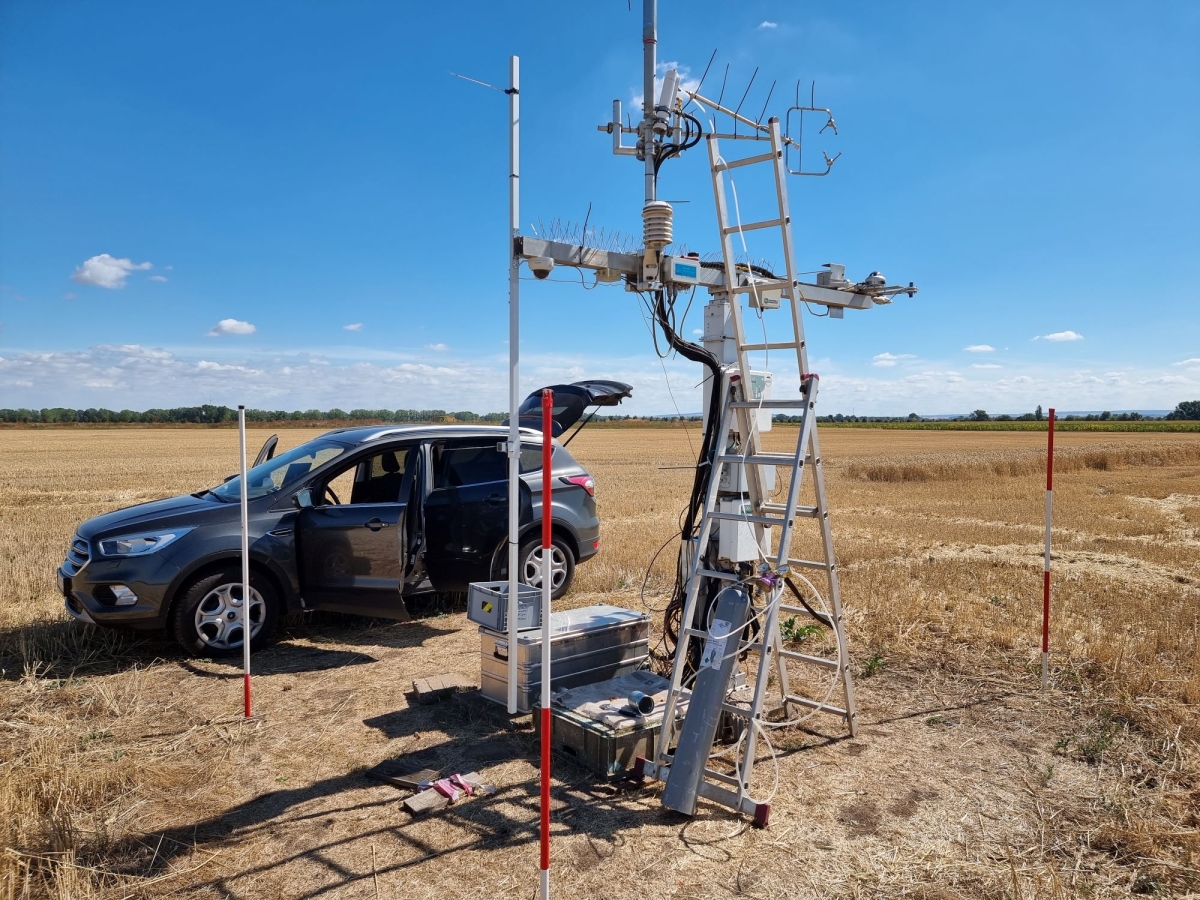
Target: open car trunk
<point>571,401</point>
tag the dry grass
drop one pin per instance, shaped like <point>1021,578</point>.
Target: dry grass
<point>125,773</point>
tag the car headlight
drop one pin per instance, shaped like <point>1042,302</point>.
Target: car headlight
<point>140,544</point>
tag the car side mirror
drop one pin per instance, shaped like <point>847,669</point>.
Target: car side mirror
<point>304,499</point>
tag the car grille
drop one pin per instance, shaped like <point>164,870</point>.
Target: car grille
<point>77,556</point>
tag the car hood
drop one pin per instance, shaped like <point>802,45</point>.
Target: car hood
<point>185,509</point>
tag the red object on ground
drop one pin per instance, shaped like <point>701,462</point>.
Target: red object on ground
<point>547,550</point>
<point>246,683</point>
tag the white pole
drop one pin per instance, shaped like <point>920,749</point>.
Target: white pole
<point>514,358</point>
<point>245,562</point>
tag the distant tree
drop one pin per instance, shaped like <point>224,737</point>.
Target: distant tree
<point>1037,415</point>
<point>980,415</point>
<point>1027,417</point>
<point>1188,410</point>
<point>1104,417</point>
<point>1004,417</point>
<point>912,417</point>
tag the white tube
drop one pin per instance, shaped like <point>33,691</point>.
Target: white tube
<point>245,503</point>
<point>514,358</point>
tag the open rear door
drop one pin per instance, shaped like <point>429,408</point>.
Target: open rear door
<point>571,401</point>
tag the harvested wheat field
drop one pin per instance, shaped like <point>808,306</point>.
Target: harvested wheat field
<point>125,770</point>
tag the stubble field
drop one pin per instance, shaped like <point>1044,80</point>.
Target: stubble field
<point>125,770</point>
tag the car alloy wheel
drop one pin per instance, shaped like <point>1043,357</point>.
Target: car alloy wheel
<point>533,567</point>
<point>218,617</point>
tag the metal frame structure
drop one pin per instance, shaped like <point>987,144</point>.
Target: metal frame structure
<point>739,464</point>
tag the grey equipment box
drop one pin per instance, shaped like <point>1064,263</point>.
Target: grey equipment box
<point>594,726</point>
<point>487,605</point>
<point>587,645</point>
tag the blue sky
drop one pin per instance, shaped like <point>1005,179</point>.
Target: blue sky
<point>314,172</point>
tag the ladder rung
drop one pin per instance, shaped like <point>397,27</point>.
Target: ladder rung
<point>779,509</point>
<point>713,573</point>
<point>814,660</point>
<point>694,632</point>
<point>759,459</point>
<point>741,711</point>
<point>781,346</point>
<point>754,226</point>
<point>769,521</point>
<point>768,404</point>
<point>722,777</point>
<point>808,564</point>
<point>813,704</point>
<point>748,161</point>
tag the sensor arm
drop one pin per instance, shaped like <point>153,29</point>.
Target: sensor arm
<point>610,266</point>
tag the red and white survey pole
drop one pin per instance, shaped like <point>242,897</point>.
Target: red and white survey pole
<point>547,590</point>
<point>1046,566</point>
<point>245,561</point>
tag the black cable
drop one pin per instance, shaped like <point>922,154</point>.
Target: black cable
<point>820,617</point>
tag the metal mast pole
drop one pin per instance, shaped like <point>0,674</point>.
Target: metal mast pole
<point>514,358</point>
<point>649,47</point>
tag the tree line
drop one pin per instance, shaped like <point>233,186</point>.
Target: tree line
<point>208,414</point>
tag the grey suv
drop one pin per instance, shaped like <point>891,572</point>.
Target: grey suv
<point>354,521</point>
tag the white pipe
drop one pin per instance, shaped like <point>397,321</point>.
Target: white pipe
<point>245,504</point>
<point>514,358</point>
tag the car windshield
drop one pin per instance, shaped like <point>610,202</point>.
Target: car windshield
<point>283,470</point>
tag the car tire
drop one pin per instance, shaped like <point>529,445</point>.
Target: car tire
<point>563,561</point>
<point>206,619</point>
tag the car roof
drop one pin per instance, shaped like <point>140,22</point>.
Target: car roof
<point>362,434</point>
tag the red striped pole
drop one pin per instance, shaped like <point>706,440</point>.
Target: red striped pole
<point>1046,566</point>
<point>547,589</point>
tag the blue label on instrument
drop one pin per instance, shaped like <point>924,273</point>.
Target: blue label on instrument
<point>685,271</point>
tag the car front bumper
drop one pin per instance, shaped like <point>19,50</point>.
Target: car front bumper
<point>89,597</point>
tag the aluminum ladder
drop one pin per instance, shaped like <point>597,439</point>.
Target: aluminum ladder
<point>744,448</point>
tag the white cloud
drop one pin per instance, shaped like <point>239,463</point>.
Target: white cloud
<point>1194,361</point>
<point>696,331</point>
<point>438,347</point>
<point>70,295</point>
<point>769,25</point>
<point>107,271</point>
<point>231,326</point>
<point>353,326</point>
<point>163,278</point>
<point>973,366</point>
<point>980,348</point>
<point>1060,336</point>
<point>887,360</point>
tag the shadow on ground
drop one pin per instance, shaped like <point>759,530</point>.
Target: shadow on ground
<point>481,734</point>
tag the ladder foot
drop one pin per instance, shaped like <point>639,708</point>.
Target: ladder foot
<point>638,772</point>
<point>762,813</point>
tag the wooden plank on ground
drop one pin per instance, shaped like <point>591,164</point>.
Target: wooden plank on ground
<point>439,687</point>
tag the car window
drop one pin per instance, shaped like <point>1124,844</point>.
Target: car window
<point>460,466</point>
<point>282,471</point>
<point>531,458</point>
<point>375,479</point>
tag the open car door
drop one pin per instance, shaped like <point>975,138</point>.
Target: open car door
<point>354,557</point>
<point>267,451</point>
<point>571,401</point>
